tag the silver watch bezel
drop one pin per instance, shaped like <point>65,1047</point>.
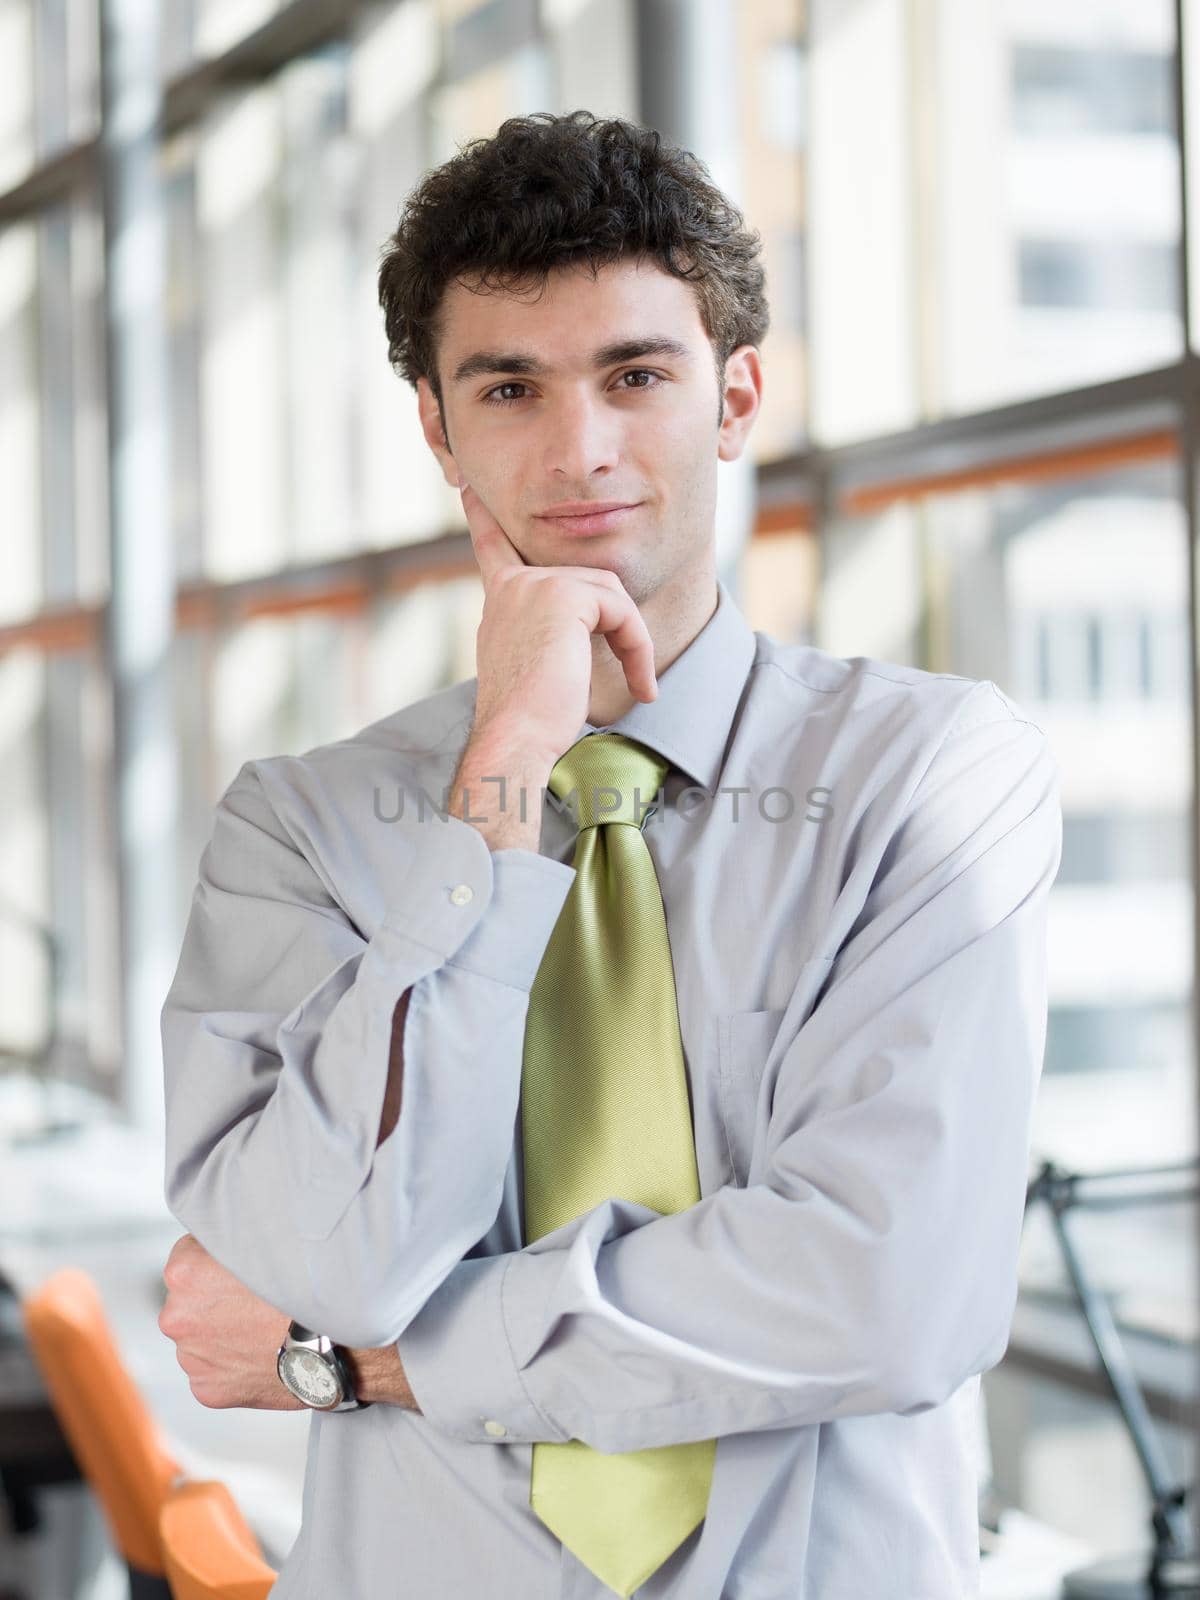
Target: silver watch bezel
<point>318,1344</point>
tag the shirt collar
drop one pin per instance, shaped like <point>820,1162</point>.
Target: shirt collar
<point>698,696</point>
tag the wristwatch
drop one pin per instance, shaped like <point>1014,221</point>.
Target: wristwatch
<point>313,1368</point>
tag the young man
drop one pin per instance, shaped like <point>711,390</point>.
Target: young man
<point>658,1186</point>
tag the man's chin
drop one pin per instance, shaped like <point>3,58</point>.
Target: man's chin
<point>603,554</point>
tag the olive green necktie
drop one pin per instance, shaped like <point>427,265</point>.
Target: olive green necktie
<point>604,1113</point>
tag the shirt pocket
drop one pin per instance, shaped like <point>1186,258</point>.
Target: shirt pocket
<point>744,1040</point>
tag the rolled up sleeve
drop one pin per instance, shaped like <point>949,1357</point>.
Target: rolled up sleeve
<point>870,1264</point>
<point>276,1036</point>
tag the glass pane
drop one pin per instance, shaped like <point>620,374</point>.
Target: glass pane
<point>871,601</point>
<point>68,72</point>
<point>1190,51</point>
<point>280,686</point>
<point>84,912</point>
<point>59,947</point>
<point>420,641</point>
<point>260,218</point>
<point>777,583</point>
<point>860,220</point>
<point>26,1009</point>
<point>217,25</point>
<point>21,585</point>
<point>593,49</point>
<point>283,685</point>
<point>239,160</point>
<point>200,785</point>
<point>88,402</point>
<point>773,162</point>
<point>1057,198</point>
<point>274,178</point>
<point>185,278</point>
<point>17,131</point>
<point>1072,596</point>
<point>995,204</point>
<point>393,61</point>
<point>73,446</point>
<point>320,167</point>
<point>474,107</point>
<point>49,81</point>
<point>175,37</point>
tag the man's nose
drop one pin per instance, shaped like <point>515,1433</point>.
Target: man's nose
<point>582,437</point>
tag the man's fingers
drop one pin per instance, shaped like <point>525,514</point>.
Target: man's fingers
<point>182,1251</point>
<point>494,550</point>
<point>617,616</point>
<point>623,625</point>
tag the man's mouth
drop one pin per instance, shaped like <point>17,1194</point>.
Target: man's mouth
<point>584,516</point>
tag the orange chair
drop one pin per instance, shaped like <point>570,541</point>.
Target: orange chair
<point>110,1430</point>
<point>209,1551</point>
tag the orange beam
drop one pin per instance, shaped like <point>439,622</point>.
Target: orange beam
<point>54,632</point>
<point>791,516</point>
<point>347,599</point>
<point>207,605</point>
<point>409,577</point>
<point>1079,461</point>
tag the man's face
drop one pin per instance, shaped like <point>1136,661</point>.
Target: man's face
<point>543,410</point>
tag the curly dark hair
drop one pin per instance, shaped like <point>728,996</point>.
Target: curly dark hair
<point>548,191</point>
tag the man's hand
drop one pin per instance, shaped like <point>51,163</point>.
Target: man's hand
<point>533,649</point>
<point>226,1340</point>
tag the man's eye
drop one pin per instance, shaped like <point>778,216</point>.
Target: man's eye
<point>641,372</point>
<point>491,398</point>
<point>495,397</point>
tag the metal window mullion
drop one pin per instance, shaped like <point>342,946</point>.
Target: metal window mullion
<point>1190,449</point>
<point>140,615</point>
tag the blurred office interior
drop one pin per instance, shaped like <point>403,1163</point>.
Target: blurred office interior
<point>223,536</point>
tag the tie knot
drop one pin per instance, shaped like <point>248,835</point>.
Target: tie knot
<point>614,778</point>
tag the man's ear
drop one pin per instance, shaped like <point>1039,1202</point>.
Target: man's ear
<point>434,430</point>
<point>743,396</point>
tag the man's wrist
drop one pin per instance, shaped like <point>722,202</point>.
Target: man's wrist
<point>498,787</point>
<point>379,1377</point>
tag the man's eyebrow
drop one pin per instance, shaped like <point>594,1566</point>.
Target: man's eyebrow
<point>608,355</point>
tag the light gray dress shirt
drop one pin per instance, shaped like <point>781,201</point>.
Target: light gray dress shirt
<point>855,860</point>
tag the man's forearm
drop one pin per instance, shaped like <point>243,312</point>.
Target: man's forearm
<point>379,1377</point>
<point>504,814</point>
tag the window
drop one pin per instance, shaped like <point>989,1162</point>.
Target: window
<point>1059,590</point>
<point>965,249</point>
<point>1098,848</point>
<point>1057,89</point>
<point>1098,274</point>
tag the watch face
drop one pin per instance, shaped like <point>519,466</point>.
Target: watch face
<point>309,1378</point>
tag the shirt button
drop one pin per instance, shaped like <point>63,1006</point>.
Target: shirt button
<point>496,1429</point>
<point>461,893</point>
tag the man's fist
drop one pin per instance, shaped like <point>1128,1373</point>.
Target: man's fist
<point>226,1338</point>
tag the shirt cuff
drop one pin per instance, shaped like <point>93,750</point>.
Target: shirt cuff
<point>459,1364</point>
<point>490,914</point>
<point>528,892</point>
